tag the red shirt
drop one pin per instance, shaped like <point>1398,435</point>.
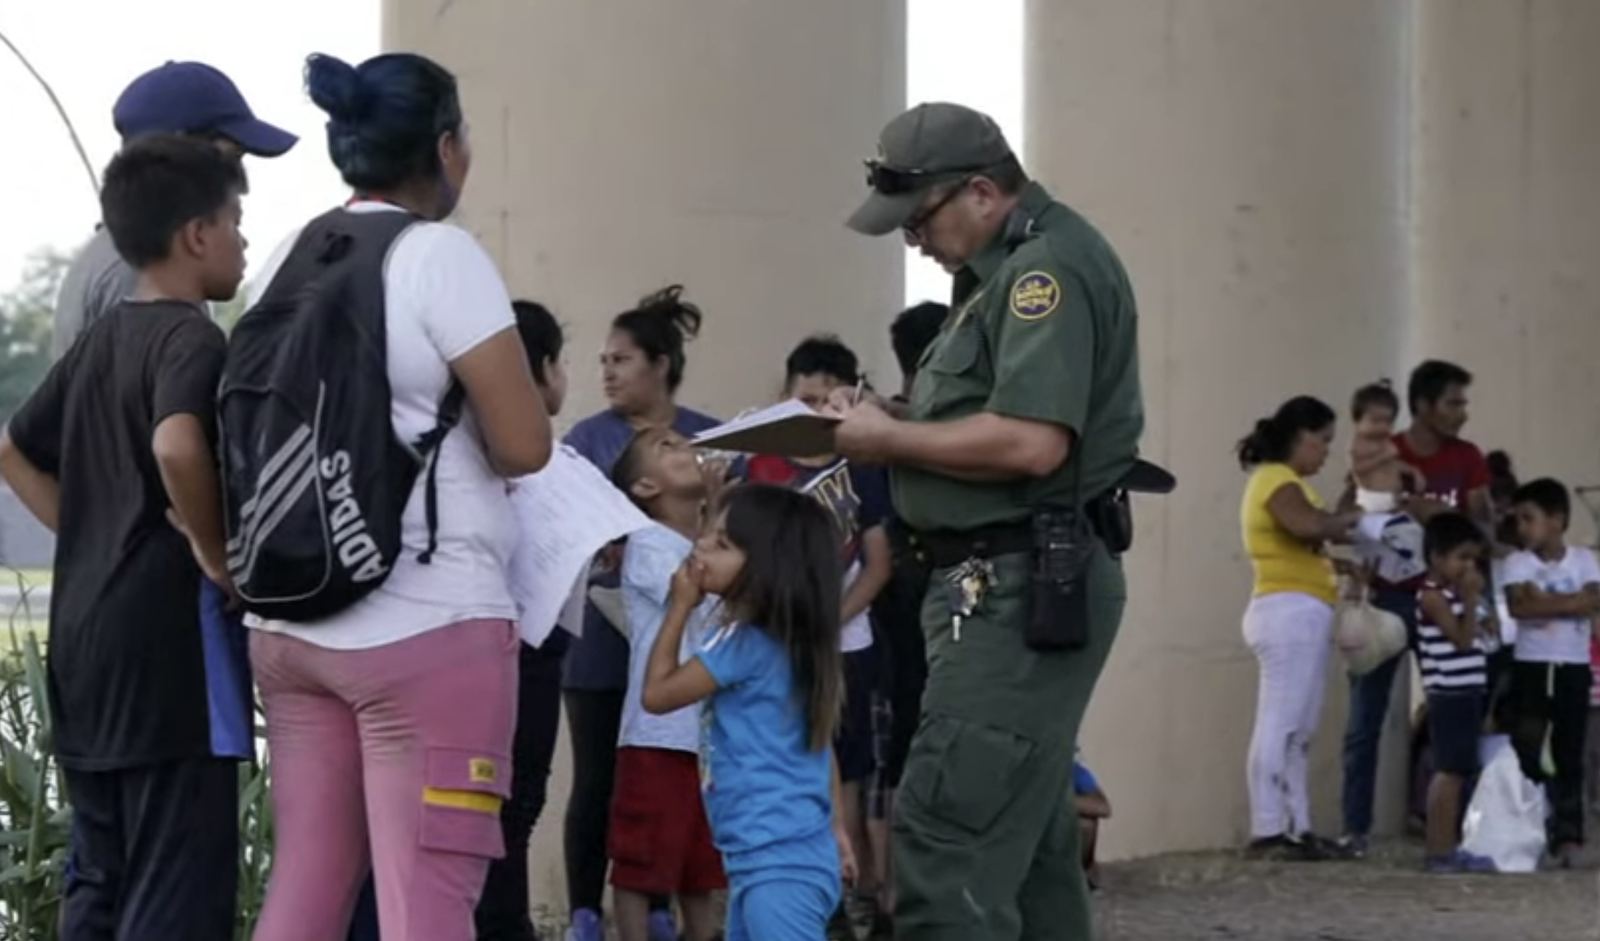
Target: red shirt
<point>1452,472</point>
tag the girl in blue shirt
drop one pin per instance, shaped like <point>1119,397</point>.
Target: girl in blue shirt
<point>771,678</point>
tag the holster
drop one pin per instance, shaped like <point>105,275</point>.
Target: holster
<point>1111,517</point>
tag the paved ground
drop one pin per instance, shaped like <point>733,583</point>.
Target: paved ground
<point>1386,898</point>
<point>1219,897</point>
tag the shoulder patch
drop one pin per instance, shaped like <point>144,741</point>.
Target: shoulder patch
<point>1035,296</point>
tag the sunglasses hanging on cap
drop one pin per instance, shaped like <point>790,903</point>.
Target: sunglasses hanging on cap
<point>893,181</point>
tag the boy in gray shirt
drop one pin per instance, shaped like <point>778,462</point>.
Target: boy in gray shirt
<point>176,98</point>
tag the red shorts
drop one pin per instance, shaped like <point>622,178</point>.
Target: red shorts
<point>660,841</point>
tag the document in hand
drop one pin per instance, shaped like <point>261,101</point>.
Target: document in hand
<point>566,513</point>
<point>1391,543</point>
<point>789,428</point>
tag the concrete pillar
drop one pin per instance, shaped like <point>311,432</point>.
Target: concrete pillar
<point>619,147</point>
<point>1244,157</point>
<point>1506,208</point>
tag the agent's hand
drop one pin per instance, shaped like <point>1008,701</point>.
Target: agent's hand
<point>687,591</point>
<point>1472,584</point>
<point>863,433</point>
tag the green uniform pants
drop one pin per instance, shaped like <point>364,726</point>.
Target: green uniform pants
<point>985,831</point>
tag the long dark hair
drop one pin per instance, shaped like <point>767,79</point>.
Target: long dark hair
<point>790,589</point>
<point>1272,439</point>
<point>660,326</point>
<point>541,335</point>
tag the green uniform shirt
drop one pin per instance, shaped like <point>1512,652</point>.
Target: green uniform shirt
<point>1043,328</point>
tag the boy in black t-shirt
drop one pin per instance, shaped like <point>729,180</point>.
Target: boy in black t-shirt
<point>148,692</point>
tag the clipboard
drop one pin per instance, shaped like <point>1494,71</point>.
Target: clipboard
<point>790,429</point>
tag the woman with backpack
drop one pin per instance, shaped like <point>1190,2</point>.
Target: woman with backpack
<point>390,715</point>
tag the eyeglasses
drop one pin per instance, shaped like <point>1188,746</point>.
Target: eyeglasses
<point>913,226</point>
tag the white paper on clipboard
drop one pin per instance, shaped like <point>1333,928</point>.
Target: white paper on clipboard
<point>566,513</point>
<point>790,428</point>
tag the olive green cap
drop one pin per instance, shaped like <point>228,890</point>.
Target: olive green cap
<point>933,143</point>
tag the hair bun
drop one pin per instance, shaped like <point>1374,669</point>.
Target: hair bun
<point>336,87</point>
<point>668,304</point>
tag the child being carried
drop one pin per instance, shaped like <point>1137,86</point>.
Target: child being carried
<point>1388,542</point>
<point>1379,473</point>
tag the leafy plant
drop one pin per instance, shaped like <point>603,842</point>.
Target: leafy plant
<point>36,821</point>
<point>255,836</point>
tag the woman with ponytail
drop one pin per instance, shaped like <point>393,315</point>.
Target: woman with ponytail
<point>641,368</point>
<point>1289,623</point>
<point>390,721</point>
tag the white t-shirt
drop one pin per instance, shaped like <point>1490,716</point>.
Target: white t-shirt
<point>443,297</point>
<point>652,556</point>
<point>856,633</point>
<point>1556,640</point>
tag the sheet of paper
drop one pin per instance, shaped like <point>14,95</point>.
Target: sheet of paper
<point>789,428</point>
<point>567,513</point>
<point>1392,544</point>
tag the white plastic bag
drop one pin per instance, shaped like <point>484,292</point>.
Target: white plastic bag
<point>1367,635</point>
<point>1505,820</point>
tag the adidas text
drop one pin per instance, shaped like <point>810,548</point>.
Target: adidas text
<point>357,552</point>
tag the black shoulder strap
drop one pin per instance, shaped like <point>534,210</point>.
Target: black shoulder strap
<point>428,445</point>
<point>331,237</point>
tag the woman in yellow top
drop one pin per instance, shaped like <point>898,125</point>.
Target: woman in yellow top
<point>1289,623</point>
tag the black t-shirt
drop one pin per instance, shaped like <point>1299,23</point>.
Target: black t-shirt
<point>127,664</point>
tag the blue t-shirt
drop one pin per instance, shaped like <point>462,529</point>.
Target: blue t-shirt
<point>599,659</point>
<point>768,796</point>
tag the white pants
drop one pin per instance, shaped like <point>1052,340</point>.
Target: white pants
<point>1291,635</point>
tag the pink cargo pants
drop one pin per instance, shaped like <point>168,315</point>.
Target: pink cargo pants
<point>397,758</point>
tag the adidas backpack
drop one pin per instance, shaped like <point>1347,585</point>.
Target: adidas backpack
<point>314,478</point>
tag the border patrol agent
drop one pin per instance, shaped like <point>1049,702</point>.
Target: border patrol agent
<point>1011,473</point>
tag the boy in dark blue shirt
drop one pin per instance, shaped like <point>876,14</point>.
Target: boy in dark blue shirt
<point>857,498</point>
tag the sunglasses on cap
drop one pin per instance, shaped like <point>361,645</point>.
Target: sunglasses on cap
<point>894,181</point>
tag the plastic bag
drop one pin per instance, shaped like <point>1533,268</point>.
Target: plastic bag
<point>1367,635</point>
<point>1505,820</point>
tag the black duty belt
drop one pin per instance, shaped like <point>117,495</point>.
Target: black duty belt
<point>944,548</point>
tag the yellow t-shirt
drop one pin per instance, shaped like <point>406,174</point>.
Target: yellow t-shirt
<point>1282,562</point>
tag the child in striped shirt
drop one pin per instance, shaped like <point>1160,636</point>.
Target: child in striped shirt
<point>1450,654</point>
